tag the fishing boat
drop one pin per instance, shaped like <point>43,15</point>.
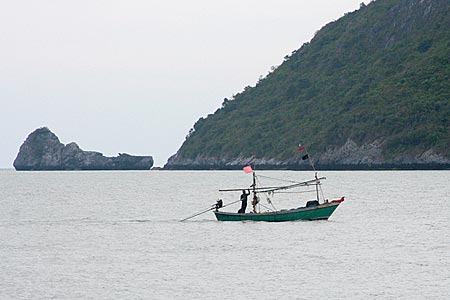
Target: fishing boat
<point>318,208</point>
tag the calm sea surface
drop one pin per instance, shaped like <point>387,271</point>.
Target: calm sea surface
<point>117,235</point>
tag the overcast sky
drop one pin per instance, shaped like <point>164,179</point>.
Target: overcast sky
<point>134,76</point>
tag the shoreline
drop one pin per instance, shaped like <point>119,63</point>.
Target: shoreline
<point>324,167</point>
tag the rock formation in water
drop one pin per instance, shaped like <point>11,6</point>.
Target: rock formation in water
<point>42,150</point>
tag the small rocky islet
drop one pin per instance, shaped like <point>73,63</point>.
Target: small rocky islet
<point>42,151</point>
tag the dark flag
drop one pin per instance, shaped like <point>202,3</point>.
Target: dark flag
<point>302,149</point>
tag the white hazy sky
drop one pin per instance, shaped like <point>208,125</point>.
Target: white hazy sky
<point>133,76</point>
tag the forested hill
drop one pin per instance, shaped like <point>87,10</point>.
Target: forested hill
<point>370,90</point>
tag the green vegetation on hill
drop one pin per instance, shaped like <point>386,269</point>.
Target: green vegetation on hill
<point>381,73</point>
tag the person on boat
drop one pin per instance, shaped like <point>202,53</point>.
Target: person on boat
<point>255,201</point>
<point>218,204</point>
<point>243,201</point>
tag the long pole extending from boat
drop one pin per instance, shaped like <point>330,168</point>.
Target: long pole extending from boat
<point>214,206</point>
<point>275,188</point>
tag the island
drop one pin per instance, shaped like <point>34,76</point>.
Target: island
<point>370,91</point>
<point>42,151</point>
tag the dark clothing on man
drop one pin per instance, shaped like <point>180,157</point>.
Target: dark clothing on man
<point>243,202</point>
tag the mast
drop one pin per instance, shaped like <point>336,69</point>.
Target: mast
<point>301,148</point>
<point>317,191</point>
<point>317,187</point>
<point>255,198</point>
<point>254,183</point>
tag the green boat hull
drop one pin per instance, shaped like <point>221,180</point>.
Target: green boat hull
<point>320,212</point>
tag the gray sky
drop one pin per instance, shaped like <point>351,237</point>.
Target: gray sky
<point>134,76</point>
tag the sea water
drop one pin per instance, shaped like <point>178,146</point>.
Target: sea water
<point>117,235</point>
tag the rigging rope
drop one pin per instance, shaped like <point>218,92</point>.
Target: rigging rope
<point>299,192</point>
<point>267,207</point>
<point>267,194</point>
<point>278,179</point>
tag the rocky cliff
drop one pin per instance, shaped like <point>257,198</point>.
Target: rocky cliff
<point>42,150</point>
<point>349,156</point>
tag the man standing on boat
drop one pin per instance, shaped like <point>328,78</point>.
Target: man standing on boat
<point>254,202</point>
<point>243,201</point>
